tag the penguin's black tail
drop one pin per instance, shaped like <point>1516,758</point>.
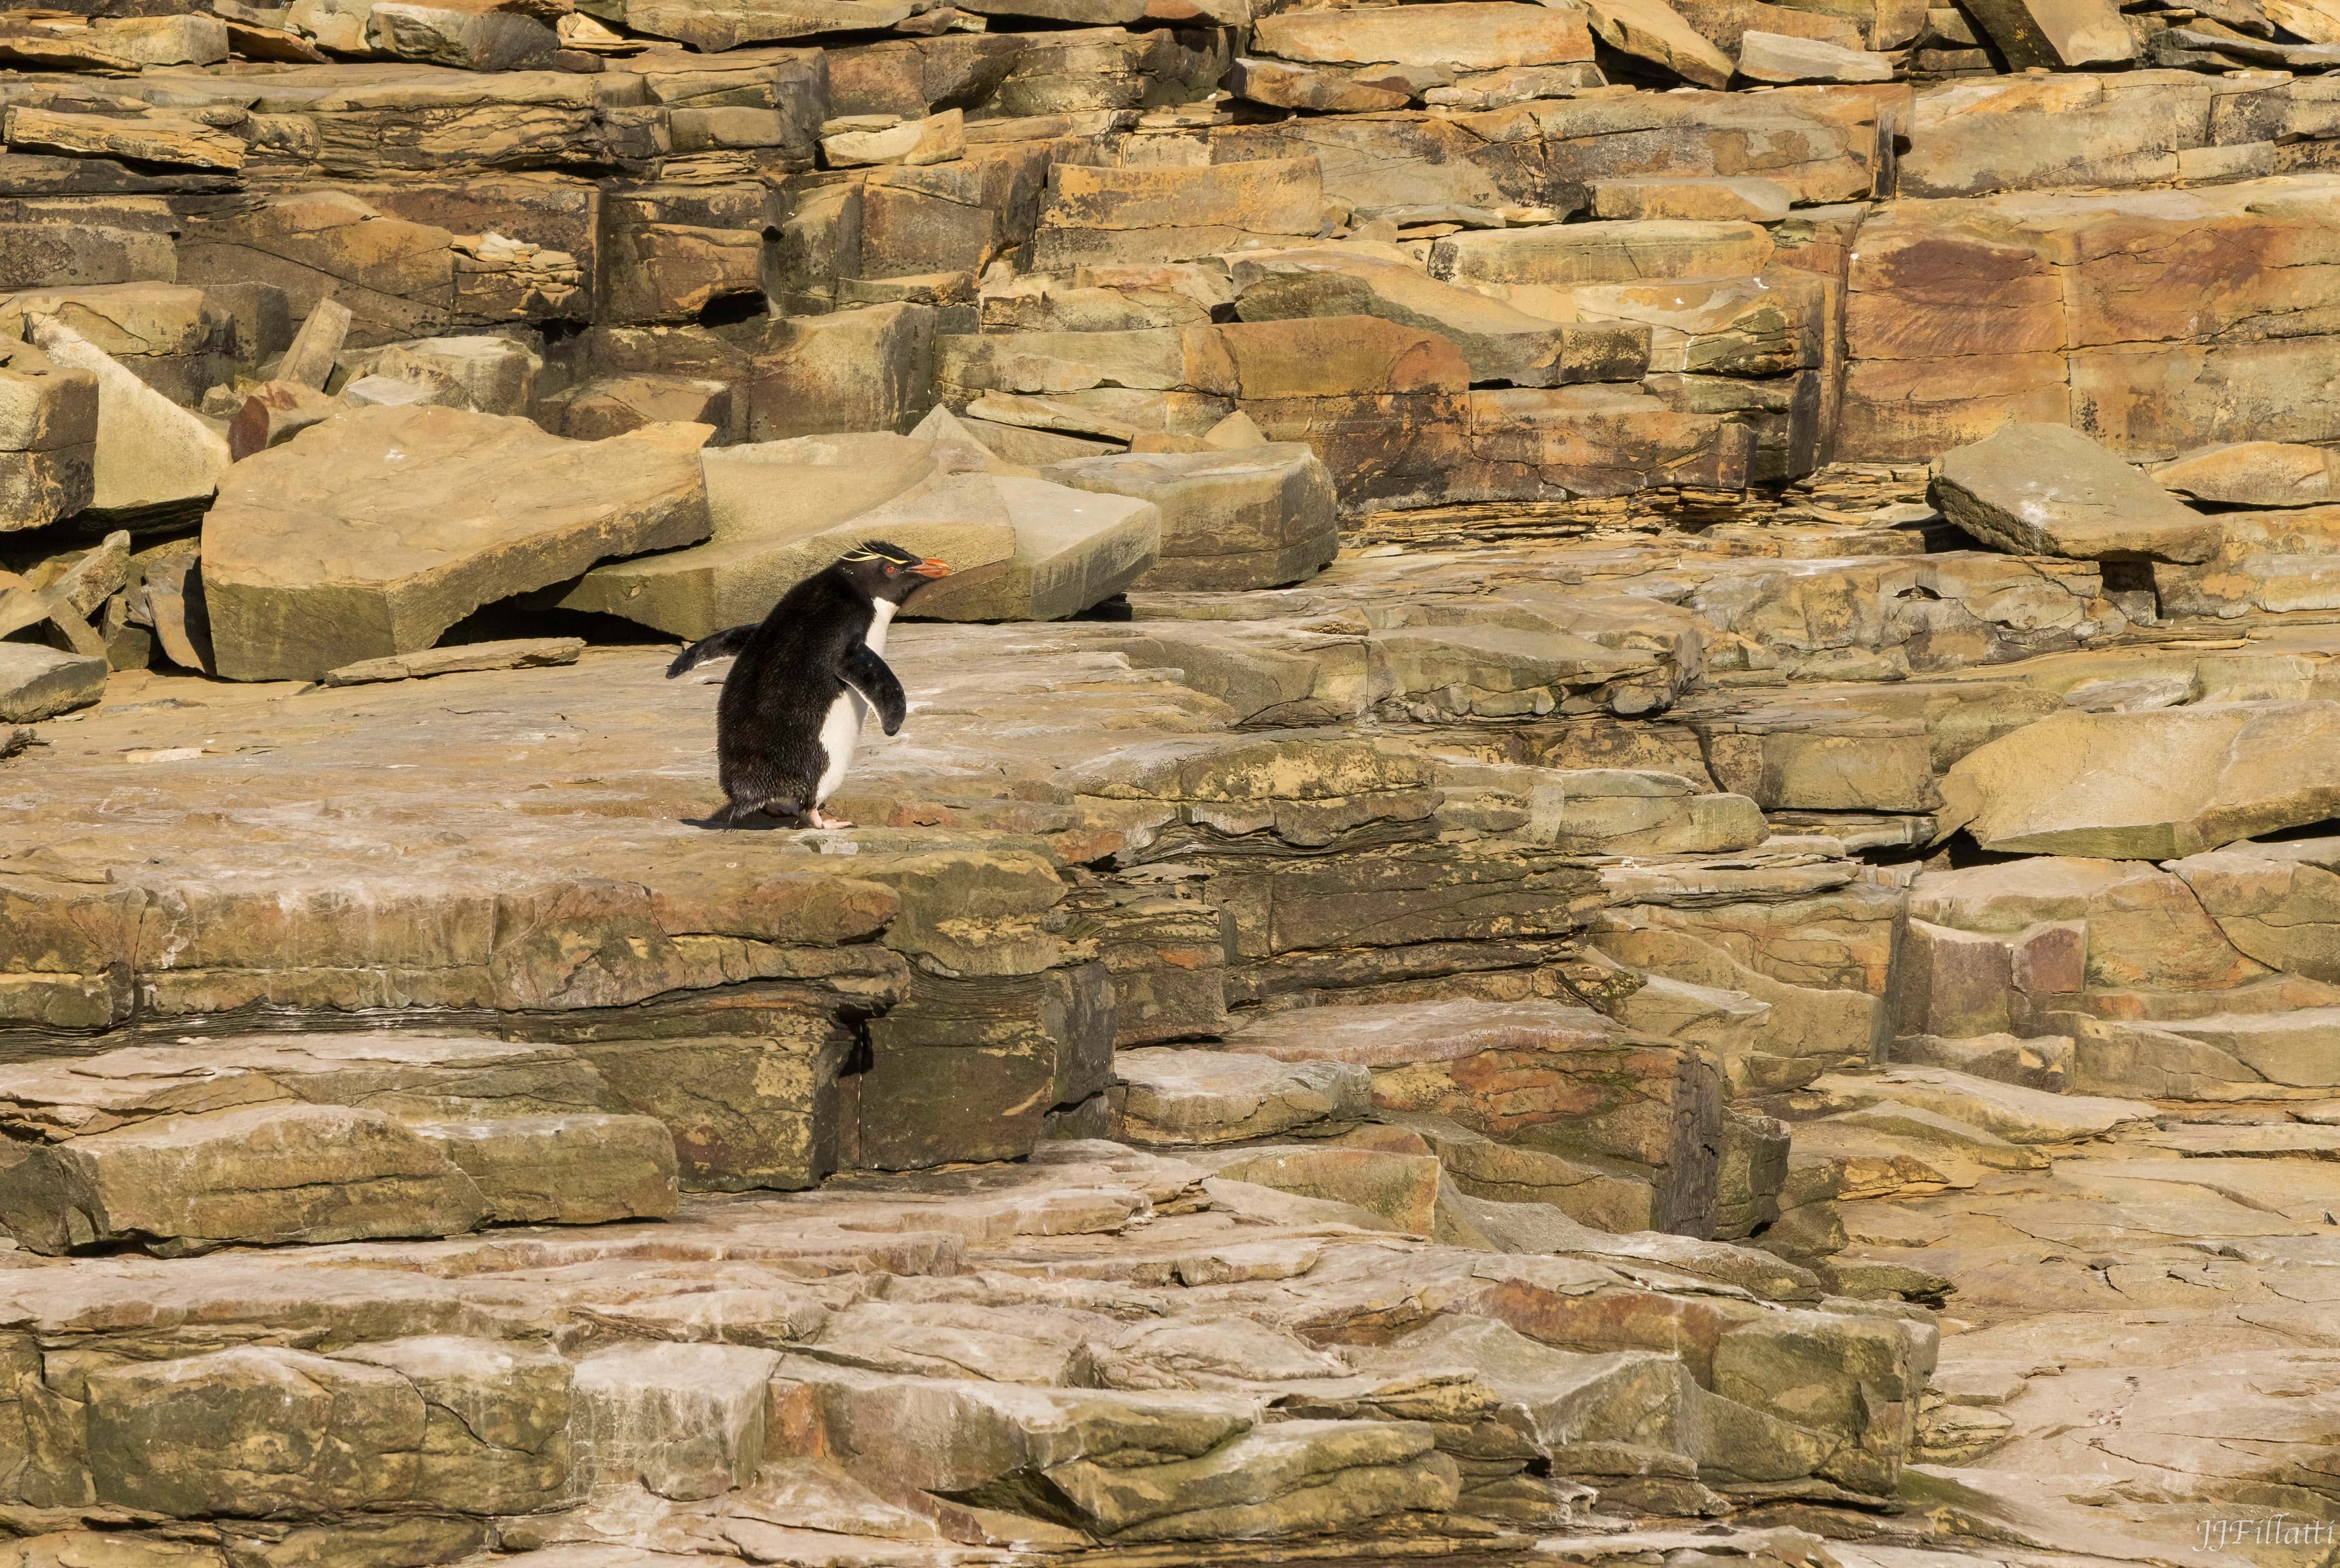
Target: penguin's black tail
<point>724,644</point>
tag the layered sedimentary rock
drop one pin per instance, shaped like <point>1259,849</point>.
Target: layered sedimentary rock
<point>1614,845</point>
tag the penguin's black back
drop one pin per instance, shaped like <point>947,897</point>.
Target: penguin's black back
<point>781,690</point>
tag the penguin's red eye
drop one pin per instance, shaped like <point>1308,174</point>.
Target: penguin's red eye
<point>892,570</point>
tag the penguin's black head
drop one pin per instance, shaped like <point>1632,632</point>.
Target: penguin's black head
<point>889,572</point>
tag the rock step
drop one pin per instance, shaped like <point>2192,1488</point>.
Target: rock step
<point>2006,1112</point>
<point>1169,1095</point>
<point>317,1139</point>
<point>2041,1062</point>
<point>821,1362</point>
<point>1535,1103</point>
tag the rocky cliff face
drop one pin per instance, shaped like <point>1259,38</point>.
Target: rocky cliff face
<point>1616,846</point>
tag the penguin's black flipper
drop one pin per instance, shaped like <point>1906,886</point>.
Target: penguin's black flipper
<point>868,674</point>
<point>724,644</point>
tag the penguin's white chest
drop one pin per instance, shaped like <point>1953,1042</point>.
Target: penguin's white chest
<point>840,731</point>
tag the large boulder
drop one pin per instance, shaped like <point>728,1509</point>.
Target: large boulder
<point>149,451</point>
<point>2048,490</point>
<point>1254,518</point>
<point>783,510</point>
<point>2153,785</point>
<point>38,682</point>
<point>1464,36</point>
<point>372,533</point>
<point>1073,548</point>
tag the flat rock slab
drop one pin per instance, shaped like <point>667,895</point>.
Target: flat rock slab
<point>2254,474</point>
<point>2036,1061</point>
<point>781,511</point>
<point>1501,344</point>
<point>2299,1049</point>
<point>149,450</point>
<point>2278,1140</point>
<point>1149,214</point>
<point>1723,199</point>
<point>38,682</point>
<point>683,1421</point>
<point>263,1174</point>
<point>1475,37</point>
<point>1073,548</point>
<point>1097,1318</point>
<point>1566,254</point>
<point>1402,1188</point>
<point>580,1170</point>
<point>2008,1111</point>
<point>405,1076</point>
<point>2057,34</point>
<point>1397,1034</point>
<point>517,653</point>
<point>1191,1096</point>
<point>1776,57</point>
<point>2154,785</point>
<point>1657,33</point>
<point>370,534</point>
<point>2049,489</point>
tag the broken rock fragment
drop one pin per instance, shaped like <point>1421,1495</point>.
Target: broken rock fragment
<point>2154,785</point>
<point>2253,474</point>
<point>274,414</point>
<point>1253,518</point>
<point>1776,57</point>
<point>149,450</point>
<point>38,682</point>
<point>1073,548</point>
<point>48,437</point>
<point>262,1174</point>
<point>783,510</point>
<point>2049,489</point>
<point>2057,34</point>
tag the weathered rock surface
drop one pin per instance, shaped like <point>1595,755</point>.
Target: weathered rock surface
<point>1175,1097</point>
<point>2048,490</point>
<point>2144,786</point>
<point>148,451</point>
<point>48,438</point>
<point>781,511</point>
<point>311,1173</point>
<point>1257,518</point>
<point>2252,474</point>
<point>371,533</point>
<point>38,682</point>
<point>1659,1000</point>
<point>1073,548</point>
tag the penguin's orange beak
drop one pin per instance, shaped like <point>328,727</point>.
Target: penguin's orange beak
<point>930,567</point>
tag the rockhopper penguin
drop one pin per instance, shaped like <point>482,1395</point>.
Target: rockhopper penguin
<point>792,705</point>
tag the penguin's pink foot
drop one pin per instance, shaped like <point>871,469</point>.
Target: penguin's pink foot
<point>818,820</point>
